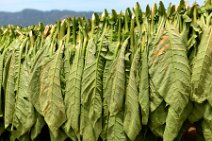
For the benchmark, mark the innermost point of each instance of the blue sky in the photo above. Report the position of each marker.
(78, 5)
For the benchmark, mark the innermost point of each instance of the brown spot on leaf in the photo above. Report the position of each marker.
(159, 52)
(163, 45)
(165, 37)
(161, 48)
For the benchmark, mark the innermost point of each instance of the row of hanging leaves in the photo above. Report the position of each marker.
(117, 77)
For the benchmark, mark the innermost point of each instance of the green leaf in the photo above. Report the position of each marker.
(24, 137)
(157, 120)
(202, 69)
(73, 67)
(132, 116)
(207, 130)
(170, 73)
(154, 97)
(61, 136)
(23, 117)
(107, 80)
(1, 81)
(207, 123)
(115, 130)
(38, 126)
(92, 88)
(179, 117)
(34, 90)
(197, 112)
(9, 79)
(144, 88)
(47, 94)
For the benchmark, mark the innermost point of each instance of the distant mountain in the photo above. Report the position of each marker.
(30, 16)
